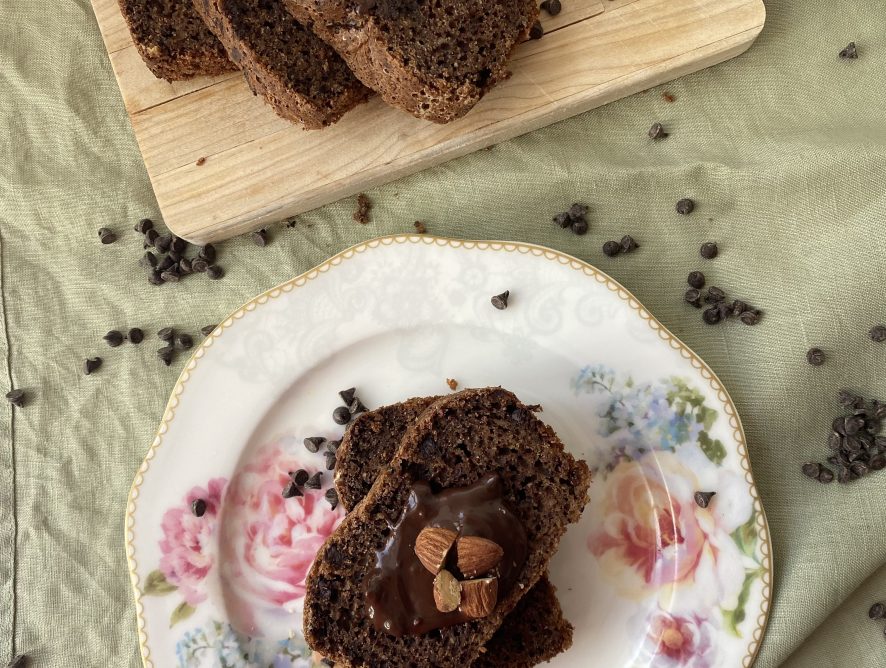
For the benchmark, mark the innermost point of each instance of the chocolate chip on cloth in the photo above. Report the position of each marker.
(472, 437)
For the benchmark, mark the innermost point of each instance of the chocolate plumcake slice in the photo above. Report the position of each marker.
(456, 529)
(173, 40)
(432, 58)
(535, 631)
(301, 77)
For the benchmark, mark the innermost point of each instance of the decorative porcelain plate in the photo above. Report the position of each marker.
(647, 577)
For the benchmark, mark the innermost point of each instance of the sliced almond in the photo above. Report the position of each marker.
(447, 591)
(477, 556)
(478, 597)
(432, 547)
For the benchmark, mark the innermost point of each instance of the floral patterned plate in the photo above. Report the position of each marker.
(648, 578)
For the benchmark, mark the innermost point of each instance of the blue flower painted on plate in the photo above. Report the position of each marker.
(219, 645)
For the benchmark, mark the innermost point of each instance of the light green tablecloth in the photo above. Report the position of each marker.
(784, 149)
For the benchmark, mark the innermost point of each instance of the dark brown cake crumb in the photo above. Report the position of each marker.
(420, 227)
(452, 383)
(361, 215)
(667, 97)
(201, 161)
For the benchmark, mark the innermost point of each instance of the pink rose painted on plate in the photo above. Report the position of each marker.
(187, 543)
(684, 641)
(269, 542)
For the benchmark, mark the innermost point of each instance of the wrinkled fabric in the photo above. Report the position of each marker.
(783, 148)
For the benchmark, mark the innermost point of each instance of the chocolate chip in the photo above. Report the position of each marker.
(712, 315)
(198, 507)
(184, 341)
(114, 338)
(299, 477)
(106, 236)
(703, 499)
(332, 446)
(16, 398)
(877, 611)
(628, 244)
(826, 476)
(214, 272)
(341, 415)
(149, 260)
(715, 295)
(611, 248)
(751, 317)
(165, 263)
(579, 227)
(348, 395)
(578, 211)
(154, 278)
(696, 280)
(18, 661)
(166, 334)
(171, 275)
(165, 354)
(136, 335)
(811, 469)
(163, 242)
(501, 301)
(199, 265)
(536, 31)
(657, 131)
(562, 219)
(151, 237)
(330, 460)
(314, 481)
(878, 333)
(332, 496)
(685, 206)
(174, 257)
(552, 7)
(877, 462)
(144, 225)
(291, 490)
(178, 245)
(313, 443)
(207, 253)
(207, 330)
(739, 307)
(356, 407)
(184, 266)
(92, 364)
(693, 297)
(849, 52)
(815, 356)
(260, 237)
(709, 250)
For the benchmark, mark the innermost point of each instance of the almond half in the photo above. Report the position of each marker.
(477, 556)
(478, 597)
(432, 547)
(447, 591)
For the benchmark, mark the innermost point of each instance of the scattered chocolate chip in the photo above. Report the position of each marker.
(877, 462)
(184, 341)
(552, 7)
(106, 236)
(207, 253)
(16, 398)
(178, 245)
(878, 333)
(341, 415)
(199, 265)
(685, 206)
(300, 477)
(712, 315)
(332, 446)
(174, 257)
(92, 364)
(171, 275)
(330, 460)
(144, 225)
(149, 260)
(348, 395)
(628, 244)
(452, 383)
(815, 356)
(739, 307)
(136, 335)
(313, 443)
(751, 317)
(151, 237)
(361, 215)
(611, 248)
(207, 330)
(562, 219)
(811, 469)
(657, 131)
(849, 52)
(696, 280)
(703, 499)
(291, 490)
(715, 295)
(420, 227)
(201, 161)
(693, 297)
(184, 266)
(166, 334)
(198, 507)
(536, 31)
(260, 237)
(18, 661)
(162, 242)
(165, 263)
(877, 611)
(332, 496)
(667, 97)
(826, 476)
(357, 407)
(501, 301)
(214, 272)
(579, 227)
(314, 481)
(709, 250)
(154, 278)
(165, 354)
(114, 338)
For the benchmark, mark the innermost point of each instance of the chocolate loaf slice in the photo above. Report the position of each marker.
(172, 39)
(535, 631)
(432, 58)
(473, 442)
(300, 76)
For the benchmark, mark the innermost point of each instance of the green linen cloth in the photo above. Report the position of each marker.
(783, 148)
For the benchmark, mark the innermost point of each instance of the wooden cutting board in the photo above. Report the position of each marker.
(260, 169)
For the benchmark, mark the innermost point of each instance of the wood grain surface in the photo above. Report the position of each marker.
(260, 169)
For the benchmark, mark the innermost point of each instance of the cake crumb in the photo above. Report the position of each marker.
(201, 161)
(420, 227)
(667, 97)
(453, 383)
(361, 215)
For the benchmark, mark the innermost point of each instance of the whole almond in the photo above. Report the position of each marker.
(432, 547)
(477, 556)
(447, 591)
(478, 597)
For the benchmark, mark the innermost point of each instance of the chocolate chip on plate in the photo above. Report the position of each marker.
(341, 415)
(348, 395)
(501, 301)
(198, 507)
(314, 443)
(314, 481)
(332, 497)
(703, 499)
(291, 490)
(300, 477)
